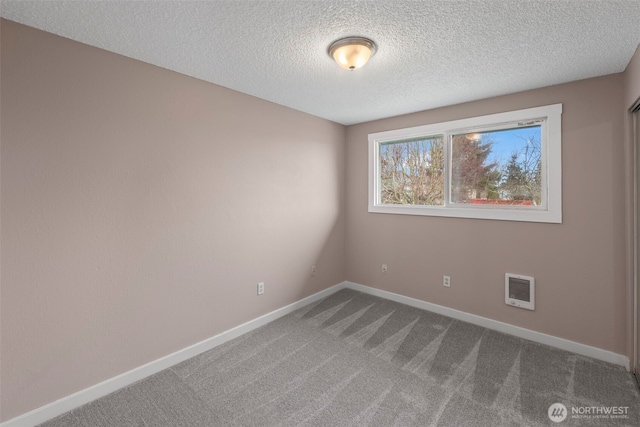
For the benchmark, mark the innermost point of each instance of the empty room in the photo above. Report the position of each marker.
(319, 213)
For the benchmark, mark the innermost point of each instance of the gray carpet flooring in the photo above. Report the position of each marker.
(353, 359)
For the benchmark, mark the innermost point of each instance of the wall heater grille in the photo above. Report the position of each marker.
(519, 291)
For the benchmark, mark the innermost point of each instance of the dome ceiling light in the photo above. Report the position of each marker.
(352, 52)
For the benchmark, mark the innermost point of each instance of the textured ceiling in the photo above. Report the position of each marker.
(430, 53)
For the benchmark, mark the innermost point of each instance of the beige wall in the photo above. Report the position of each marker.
(141, 207)
(631, 95)
(632, 80)
(579, 265)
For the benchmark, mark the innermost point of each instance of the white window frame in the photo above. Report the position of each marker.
(550, 209)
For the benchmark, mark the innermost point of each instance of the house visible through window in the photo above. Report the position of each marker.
(504, 166)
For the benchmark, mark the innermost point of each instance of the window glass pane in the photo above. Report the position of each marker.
(502, 167)
(412, 171)
(505, 166)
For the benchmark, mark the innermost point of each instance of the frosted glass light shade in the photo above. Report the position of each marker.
(352, 52)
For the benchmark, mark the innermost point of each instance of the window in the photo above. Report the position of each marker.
(502, 166)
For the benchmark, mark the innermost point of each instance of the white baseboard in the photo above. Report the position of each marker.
(539, 337)
(59, 407)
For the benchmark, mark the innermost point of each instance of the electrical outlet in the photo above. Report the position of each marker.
(313, 270)
(446, 281)
(384, 268)
(260, 288)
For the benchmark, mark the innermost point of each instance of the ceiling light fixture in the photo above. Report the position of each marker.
(352, 52)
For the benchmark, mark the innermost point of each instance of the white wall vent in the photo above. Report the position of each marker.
(519, 291)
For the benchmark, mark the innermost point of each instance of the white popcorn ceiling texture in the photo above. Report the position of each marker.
(430, 53)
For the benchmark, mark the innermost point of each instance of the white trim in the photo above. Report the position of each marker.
(75, 400)
(551, 211)
(59, 407)
(539, 337)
